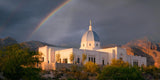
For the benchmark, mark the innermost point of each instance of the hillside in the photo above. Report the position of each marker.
(33, 45)
(7, 41)
(146, 48)
(141, 47)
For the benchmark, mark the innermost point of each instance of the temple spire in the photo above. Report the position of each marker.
(90, 26)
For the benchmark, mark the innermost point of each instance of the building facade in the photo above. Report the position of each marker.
(90, 46)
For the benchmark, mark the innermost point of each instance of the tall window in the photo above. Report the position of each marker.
(89, 44)
(121, 58)
(92, 59)
(78, 60)
(103, 62)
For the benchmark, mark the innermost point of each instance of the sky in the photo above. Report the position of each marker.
(115, 21)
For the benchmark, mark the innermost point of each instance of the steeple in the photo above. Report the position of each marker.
(90, 26)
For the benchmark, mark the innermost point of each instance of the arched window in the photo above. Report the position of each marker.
(89, 44)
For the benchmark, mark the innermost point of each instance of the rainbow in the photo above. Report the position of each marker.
(48, 16)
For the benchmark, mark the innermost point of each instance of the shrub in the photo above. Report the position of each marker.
(91, 67)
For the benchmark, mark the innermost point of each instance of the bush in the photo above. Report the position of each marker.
(152, 70)
(120, 70)
(91, 67)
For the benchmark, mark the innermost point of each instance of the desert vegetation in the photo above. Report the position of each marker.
(117, 70)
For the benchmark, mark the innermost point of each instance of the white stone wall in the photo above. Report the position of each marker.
(112, 53)
(49, 54)
(121, 53)
(99, 56)
(64, 54)
(117, 53)
(141, 60)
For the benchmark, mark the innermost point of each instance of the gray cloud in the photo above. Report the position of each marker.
(115, 21)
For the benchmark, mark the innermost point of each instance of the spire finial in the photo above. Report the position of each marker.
(90, 22)
(90, 26)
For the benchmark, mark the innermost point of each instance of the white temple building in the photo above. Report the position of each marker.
(90, 46)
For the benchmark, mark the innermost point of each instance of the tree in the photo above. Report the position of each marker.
(17, 62)
(119, 63)
(58, 57)
(72, 57)
(83, 58)
(120, 70)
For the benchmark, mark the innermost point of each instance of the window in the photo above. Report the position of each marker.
(121, 58)
(65, 61)
(89, 44)
(92, 59)
(78, 60)
(96, 44)
(102, 62)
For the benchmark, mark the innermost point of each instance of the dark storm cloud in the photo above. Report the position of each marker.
(115, 21)
(119, 21)
(18, 18)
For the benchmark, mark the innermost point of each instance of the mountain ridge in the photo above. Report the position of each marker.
(145, 48)
(140, 47)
